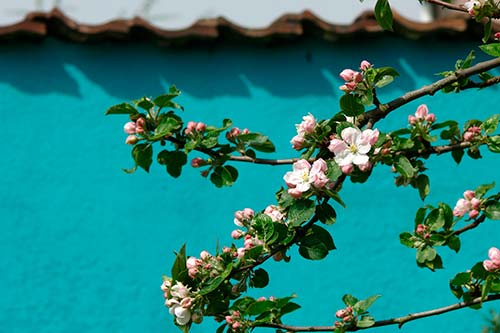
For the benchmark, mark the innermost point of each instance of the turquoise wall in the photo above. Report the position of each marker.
(83, 245)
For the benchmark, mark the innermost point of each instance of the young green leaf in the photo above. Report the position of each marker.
(383, 14)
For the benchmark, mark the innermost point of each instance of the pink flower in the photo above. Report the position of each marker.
(347, 74)
(244, 215)
(297, 142)
(471, 133)
(412, 120)
(473, 214)
(307, 125)
(193, 262)
(469, 203)
(365, 65)
(461, 207)
(129, 127)
(497, 35)
(234, 132)
(420, 229)
(422, 111)
(494, 263)
(354, 146)
(200, 127)
(347, 169)
(430, 118)
(303, 176)
(365, 167)
(274, 213)
(469, 195)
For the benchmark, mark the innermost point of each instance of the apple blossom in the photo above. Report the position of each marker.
(193, 127)
(274, 213)
(307, 125)
(494, 263)
(354, 146)
(472, 5)
(471, 133)
(197, 162)
(237, 234)
(422, 114)
(297, 142)
(365, 65)
(182, 315)
(140, 125)
(497, 35)
(130, 127)
(244, 215)
(179, 290)
(469, 203)
(304, 176)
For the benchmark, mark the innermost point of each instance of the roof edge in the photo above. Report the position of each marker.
(289, 27)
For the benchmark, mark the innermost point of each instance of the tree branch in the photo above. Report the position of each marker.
(473, 225)
(378, 113)
(447, 5)
(400, 321)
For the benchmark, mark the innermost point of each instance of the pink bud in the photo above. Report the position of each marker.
(412, 120)
(344, 88)
(351, 85)
(422, 111)
(475, 203)
(365, 65)
(469, 136)
(430, 118)
(248, 213)
(235, 131)
(420, 228)
(365, 167)
(297, 142)
(192, 272)
(131, 140)
(226, 249)
(497, 35)
(245, 131)
(237, 234)
(490, 266)
(236, 325)
(358, 77)
(261, 299)
(341, 313)
(191, 126)
(204, 255)
(473, 214)
(200, 127)
(347, 319)
(229, 319)
(347, 74)
(129, 127)
(347, 169)
(197, 162)
(469, 195)
(141, 124)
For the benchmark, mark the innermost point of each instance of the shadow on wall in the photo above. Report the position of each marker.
(127, 71)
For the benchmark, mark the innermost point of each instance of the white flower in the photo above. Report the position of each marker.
(182, 315)
(307, 125)
(179, 290)
(354, 146)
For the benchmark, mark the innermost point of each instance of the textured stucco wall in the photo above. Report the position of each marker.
(83, 245)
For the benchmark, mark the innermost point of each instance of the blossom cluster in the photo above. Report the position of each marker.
(472, 133)
(307, 126)
(345, 316)
(353, 148)
(234, 320)
(493, 264)
(179, 299)
(304, 177)
(422, 115)
(132, 128)
(235, 131)
(352, 78)
(469, 203)
(205, 266)
(194, 127)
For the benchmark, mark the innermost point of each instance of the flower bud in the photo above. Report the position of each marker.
(204, 255)
(200, 127)
(197, 162)
(347, 74)
(236, 325)
(475, 203)
(469, 195)
(365, 167)
(412, 120)
(130, 127)
(469, 136)
(420, 228)
(141, 124)
(347, 169)
(237, 234)
(422, 111)
(131, 140)
(365, 65)
(430, 118)
(294, 193)
(473, 213)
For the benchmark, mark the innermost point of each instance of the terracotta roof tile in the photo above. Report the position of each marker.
(38, 25)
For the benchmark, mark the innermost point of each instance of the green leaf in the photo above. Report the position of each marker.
(492, 49)
(316, 243)
(493, 211)
(457, 155)
(423, 186)
(224, 176)
(349, 300)
(365, 322)
(289, 307)
(363, 305)
(179, 270)
(260, 278)
(216, 282)
(143, 155)
(144, 103)
(435, 220)
(259, 307)
(350, 105)
(300, 212)
(490, 125)
(461, 279)
(175, 160)
(481, 190)
(453, 243)
(123, 108)
(487, 31)
(383, 14)
(326, 213)
(406, 239)
(420, 215)
(404, 166)
(426, 254)
(494, 144)
(258, 142)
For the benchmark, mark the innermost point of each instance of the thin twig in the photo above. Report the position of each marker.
(383, 110)
(400, 321)
(447, 5)
(473, 225)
